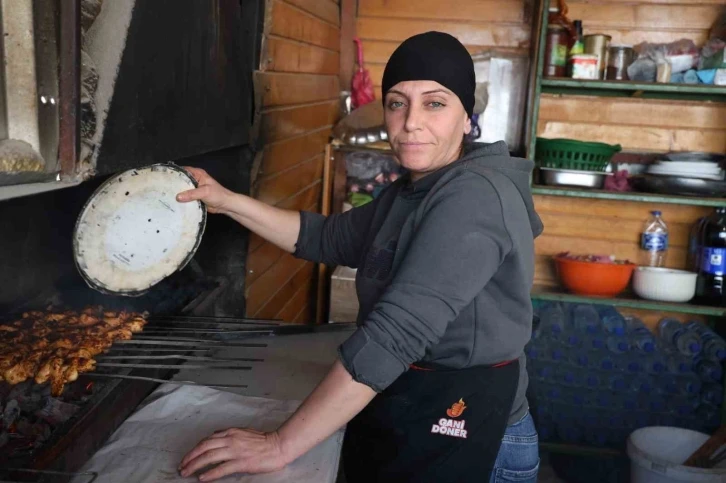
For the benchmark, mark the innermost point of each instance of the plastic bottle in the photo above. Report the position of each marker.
(604, 362)
(708, 370)
(675, 335)
(682, 406)
(640, 336)
(679, 364)
(617, 344)
(580, 358)
(714, 347)
(694, 245)
(654, 241)
(712, 394)
(612, 321)
(595, 342)
(655, 363)
(632, 364)
(552, 320)
(712, 267)
(544, 373)
(617, 382)
(641, 384)
(585, 319)
(570, 377)
(688, 385)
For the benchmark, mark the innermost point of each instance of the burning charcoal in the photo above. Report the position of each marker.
(10, 413)
(56, 411)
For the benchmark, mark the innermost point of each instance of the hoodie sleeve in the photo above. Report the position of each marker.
(336, 239)
(458, 246)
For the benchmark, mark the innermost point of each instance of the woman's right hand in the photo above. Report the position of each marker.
(215, 196)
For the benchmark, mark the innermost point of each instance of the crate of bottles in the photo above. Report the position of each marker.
(596, 375)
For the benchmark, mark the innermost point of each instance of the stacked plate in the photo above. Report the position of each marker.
(687, 169)
(686, 173)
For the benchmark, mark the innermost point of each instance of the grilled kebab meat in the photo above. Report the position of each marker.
(56, 347)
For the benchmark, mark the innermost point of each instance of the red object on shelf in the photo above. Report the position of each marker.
(361, 86)
(594, 278)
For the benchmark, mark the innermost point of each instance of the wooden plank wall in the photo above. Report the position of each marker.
(609, 227)
(299, 85)
(481, 25)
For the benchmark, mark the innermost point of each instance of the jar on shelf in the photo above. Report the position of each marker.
(619, 59)
(555, 61)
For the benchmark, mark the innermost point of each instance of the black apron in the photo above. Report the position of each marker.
(432, 426)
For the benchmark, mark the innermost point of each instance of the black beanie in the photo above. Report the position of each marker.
(433, 56)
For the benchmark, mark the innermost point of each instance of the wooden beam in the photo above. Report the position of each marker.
(347, 47)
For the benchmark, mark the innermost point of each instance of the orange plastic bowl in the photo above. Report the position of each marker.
(593, 278)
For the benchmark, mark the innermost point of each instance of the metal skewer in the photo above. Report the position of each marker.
(174, 338)
(223, 320)
(179, 357)
(169, 366)
(152, 349)
(186, 343)
(164, 381)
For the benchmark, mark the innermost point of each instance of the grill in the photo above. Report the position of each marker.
(45, 438)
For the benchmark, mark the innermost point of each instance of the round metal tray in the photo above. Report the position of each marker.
(680, 186)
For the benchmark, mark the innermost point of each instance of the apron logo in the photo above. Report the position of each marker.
(456, 409)
(449, 427)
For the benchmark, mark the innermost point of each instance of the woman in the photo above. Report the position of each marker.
(434, 373)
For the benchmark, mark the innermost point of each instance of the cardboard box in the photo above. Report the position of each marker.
(343, 298)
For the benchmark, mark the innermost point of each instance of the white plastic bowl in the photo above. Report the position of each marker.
(664, 284)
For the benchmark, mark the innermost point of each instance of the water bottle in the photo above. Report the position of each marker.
(675, 335)
(712, 394)
(694, 245)
(679, 364)
(714, 347)
(632, 364)
(605, 400)
(657, 404)
(641, 384)
(592, 381)
(612, 321)
(640, 336)
(708, 370)
(688, 384)
(552, 320)
(617, 344)
(654, 241)
(617, 382)
(580, 358)
(585, 319)
(709, 417)
(604, 362)
(572, 341)
(570, 377)
(569, 432)
(594, 342)
(682, 407)
(655, 363)
(544, 373)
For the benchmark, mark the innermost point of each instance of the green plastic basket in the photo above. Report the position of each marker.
(572, 154)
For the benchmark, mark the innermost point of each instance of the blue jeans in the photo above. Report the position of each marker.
(518, 458)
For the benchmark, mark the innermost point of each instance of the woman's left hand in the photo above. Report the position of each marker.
(238, 451)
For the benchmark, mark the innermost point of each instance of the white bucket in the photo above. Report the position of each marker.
(656, 454)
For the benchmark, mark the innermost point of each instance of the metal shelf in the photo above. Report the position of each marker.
(549, 293)
(645, 90)
(627, 196)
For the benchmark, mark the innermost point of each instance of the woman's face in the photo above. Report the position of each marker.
(426, 123)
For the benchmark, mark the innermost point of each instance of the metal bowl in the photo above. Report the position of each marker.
(568, 177)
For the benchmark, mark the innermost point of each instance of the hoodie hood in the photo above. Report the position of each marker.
(495, 156)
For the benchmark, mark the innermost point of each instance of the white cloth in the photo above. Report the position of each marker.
(149, 445)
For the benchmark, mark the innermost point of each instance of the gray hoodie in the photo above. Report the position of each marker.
(445, 268)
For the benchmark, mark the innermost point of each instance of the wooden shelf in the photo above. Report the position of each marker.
(652, 90)
(555, 294)
(627, 196)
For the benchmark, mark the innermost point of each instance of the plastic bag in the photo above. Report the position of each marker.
(369, 172)
(682, 55)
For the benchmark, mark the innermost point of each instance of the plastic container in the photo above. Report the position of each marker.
(572, 154)
(714, 347)
(656, 454)
(612, 321)
(593, 278)
(664, 284)
(708, 370)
